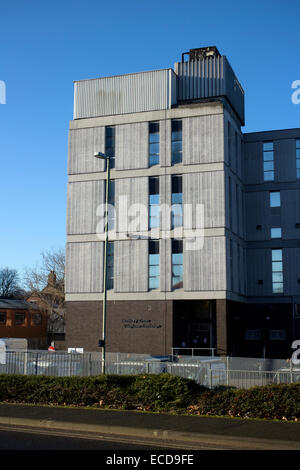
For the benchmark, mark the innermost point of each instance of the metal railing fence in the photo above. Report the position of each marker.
(207, 371)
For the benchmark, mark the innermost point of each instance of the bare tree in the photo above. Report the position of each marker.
(9, 283)
(46, 283)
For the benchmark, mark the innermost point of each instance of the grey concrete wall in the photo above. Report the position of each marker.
(205, 270)
(83, 199)
(203, 139)
(84, 267)
(131, 148)
(83, 143)
(131, 266)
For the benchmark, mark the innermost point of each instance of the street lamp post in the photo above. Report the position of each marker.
(102, 342)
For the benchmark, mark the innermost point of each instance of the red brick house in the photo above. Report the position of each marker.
(21, 319)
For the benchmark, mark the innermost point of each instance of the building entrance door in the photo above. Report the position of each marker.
(200, 337)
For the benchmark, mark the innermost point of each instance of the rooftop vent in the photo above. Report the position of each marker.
(201, 53)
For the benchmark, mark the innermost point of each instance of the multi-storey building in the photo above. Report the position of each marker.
(203, 245)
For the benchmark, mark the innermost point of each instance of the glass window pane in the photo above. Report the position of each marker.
(153, 138)
(153, 222)
(153, 185)
(276, 255)
(154, 199)
(154, 210)
(153, 282)
(277, 277)
(277, 288)
(277, 266)
(269, 176)
(176, 157)
(298, 144)
(177, 270)
(177, 258)
(275, 232)
(153, 160)
(153, 247)
(177, 282)
(154, 148)
(177, 198)
(298, 173)
(275, 199)
(298, 152)
(268, 145)
(176, 126)
(153, 260)
(153, 127)
(153, 270)
(268, 156)
(176, 146)
(268, 166)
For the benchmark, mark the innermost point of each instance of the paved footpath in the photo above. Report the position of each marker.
(187, 431)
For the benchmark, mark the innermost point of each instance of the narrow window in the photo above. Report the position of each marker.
(111, 203)
(237, 201)
(154, 264)
(277, 272)
(230, 203)
(153, 143)
(110, 266)
(110, 145)
(275, 199)
(154, 203)
(177, 264)
(2, 318)
(229, 142)
(268, 156)
(231, 263)
(298, 158)
(19, 318)
(177, 211)
(176, 142)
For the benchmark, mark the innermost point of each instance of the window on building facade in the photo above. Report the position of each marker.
(153, 143)
(110, 265)
(276, 232)
(253, 334)
(36, 319)
(275, 199)
(277, 271)
(277, 335)
(268, 156)
(177, 264)
(19, 318)
(110, 144)
(229, 142)
(154, 203)
(111, 202)
(176, 142)
(298, 158)
(2, 318)
(154, 264)
(177, 212)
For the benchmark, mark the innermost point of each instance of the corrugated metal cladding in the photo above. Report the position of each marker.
(209, 78)
(123, 94)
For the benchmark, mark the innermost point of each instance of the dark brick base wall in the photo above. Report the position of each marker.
(141, 327)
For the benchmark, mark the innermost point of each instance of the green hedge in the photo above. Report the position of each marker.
(162, 392)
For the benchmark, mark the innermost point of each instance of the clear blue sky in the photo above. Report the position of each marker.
(45, 46)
